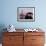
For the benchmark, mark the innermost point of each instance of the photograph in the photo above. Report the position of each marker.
(26, 14)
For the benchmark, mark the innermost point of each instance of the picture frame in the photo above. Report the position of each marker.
(26, 14)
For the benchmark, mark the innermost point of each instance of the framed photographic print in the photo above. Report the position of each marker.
(26, 14)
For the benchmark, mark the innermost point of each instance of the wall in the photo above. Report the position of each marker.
(9, 13)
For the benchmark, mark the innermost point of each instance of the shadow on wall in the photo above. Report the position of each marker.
(2, 26)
